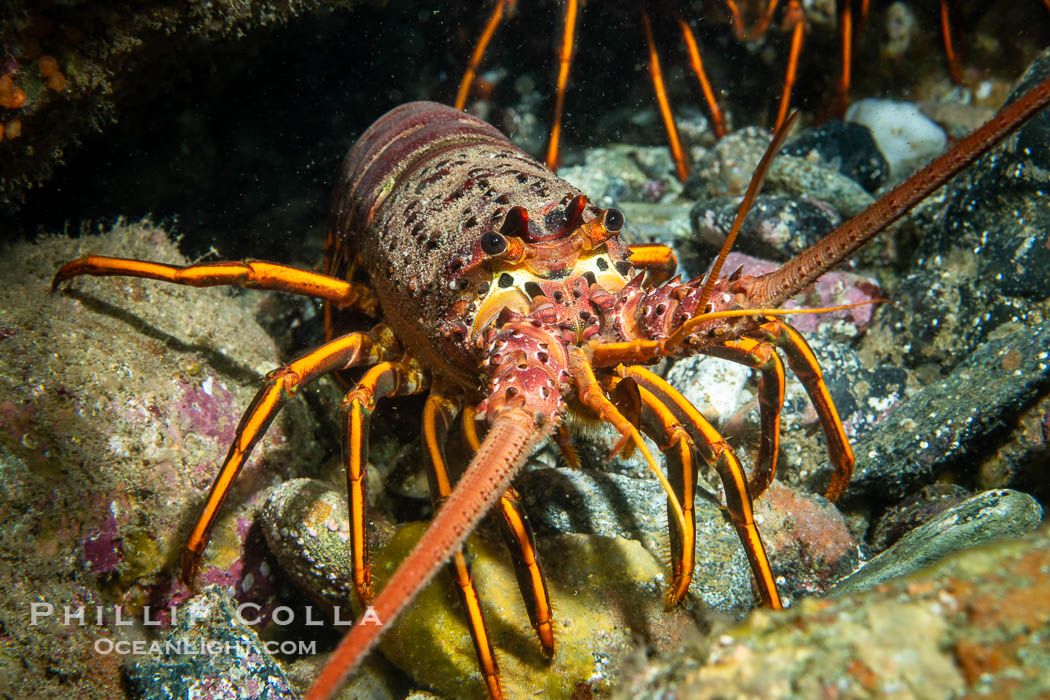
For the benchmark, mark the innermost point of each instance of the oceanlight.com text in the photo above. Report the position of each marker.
(139, 647)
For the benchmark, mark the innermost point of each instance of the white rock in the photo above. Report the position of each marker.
(907, 138)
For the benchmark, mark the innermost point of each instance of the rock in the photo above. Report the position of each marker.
(727, 168)
(907, 138)
(913, 511)
(952, 420)
(807, 542)
(306, 527)
(973, 623)
(119, 400)
(659, 223)
(776, 227)
(622, 172)
(985, 262)
(848, 147)
(605, 592)
(241, 670)
(987, 516)
(611, 505)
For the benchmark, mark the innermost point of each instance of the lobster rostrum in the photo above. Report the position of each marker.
(511, 300)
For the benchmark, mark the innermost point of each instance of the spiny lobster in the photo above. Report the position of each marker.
(511, 299)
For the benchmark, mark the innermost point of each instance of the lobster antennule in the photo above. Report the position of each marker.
(509, 442)
(802, 270)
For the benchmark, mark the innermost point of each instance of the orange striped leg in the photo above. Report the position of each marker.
(680, 161)
(658, 260)
(399, 378)
(761, 25)
(949, 51)
(250, 274)
(590, 394)
(479, 52)
(846, 27)
(796, 19)
(761, 356)
(806, 367)
(662, 426)
(674, 410)
(717, 120)
(522, 546)
(438, 414)
(281, 384)
(564, 63)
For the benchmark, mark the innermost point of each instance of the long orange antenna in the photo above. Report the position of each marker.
(564, 62)
(745, 206)
(680, 162)
(717, 120)
(479, 51)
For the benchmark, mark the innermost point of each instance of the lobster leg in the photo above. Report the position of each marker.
(251, 274)
(590, 393)
(564, 63)
(672, 409)
(954, 67)
(761, 356)
(522, 546)
(846, 30)
(527, 570)
(717, 120)
(438, 414)
(806, 367)
(479, 52)
(281, 384)
(796, 19)
(663, 427)
(399, 378)
(680, 161)
(742, 32)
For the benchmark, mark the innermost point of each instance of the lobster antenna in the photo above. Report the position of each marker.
(753, 188)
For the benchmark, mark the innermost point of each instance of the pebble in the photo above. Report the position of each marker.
(907, 138)
(991, 515)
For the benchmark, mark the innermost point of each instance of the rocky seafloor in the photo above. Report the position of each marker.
(927, 579)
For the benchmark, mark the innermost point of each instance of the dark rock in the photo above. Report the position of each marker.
(951, 421)
(987, 516)
(776, 227)
(845, 146)
(913, 511)
(589, 502)
(987, 262)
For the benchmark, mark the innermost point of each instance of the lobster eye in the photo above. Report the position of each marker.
(493, 243)
(613, 220)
